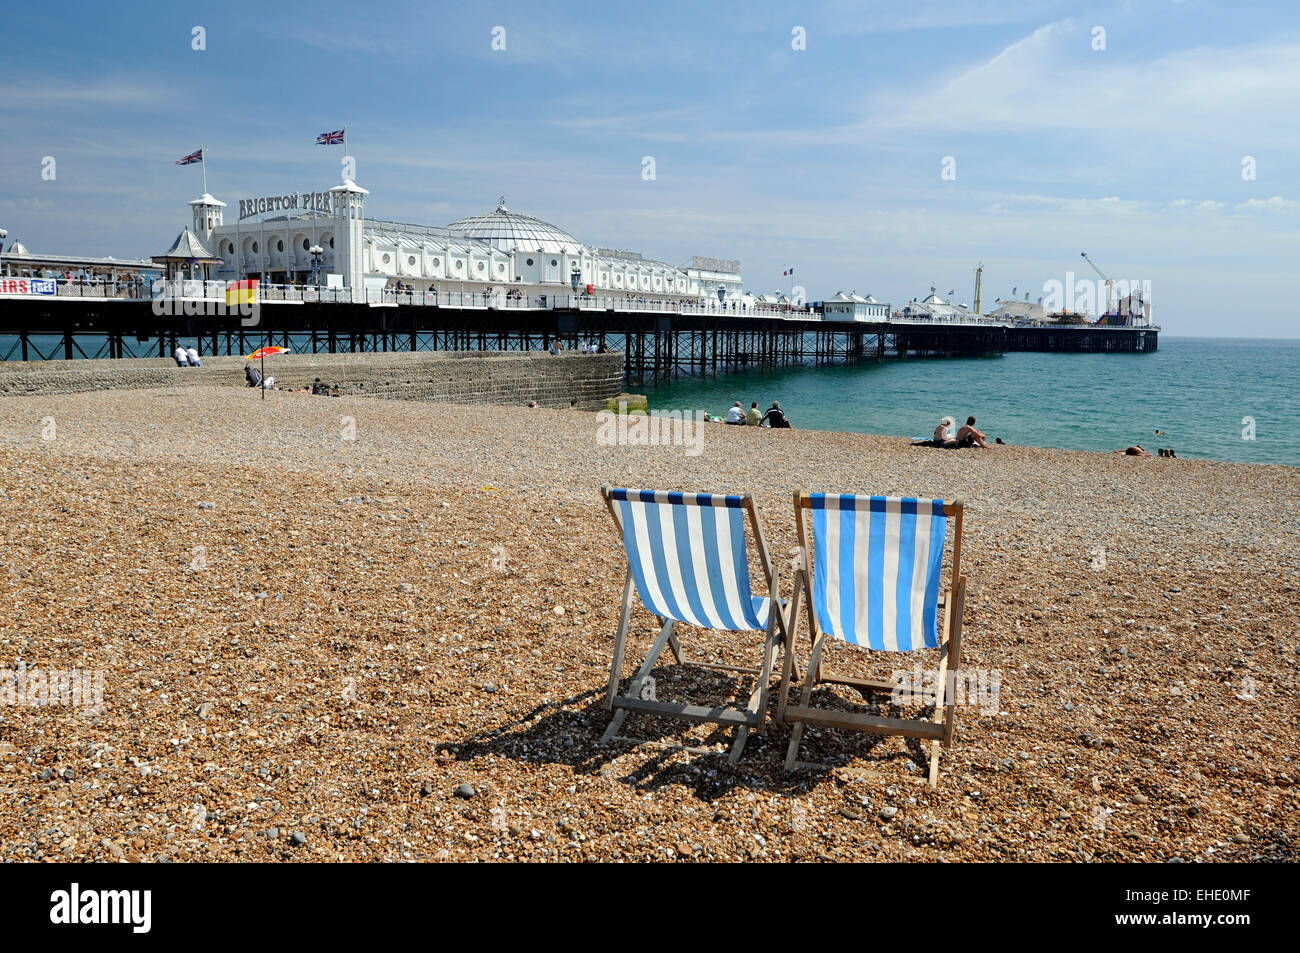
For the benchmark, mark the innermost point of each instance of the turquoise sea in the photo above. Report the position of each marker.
(1198, 390)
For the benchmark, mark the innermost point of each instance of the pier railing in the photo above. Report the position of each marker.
(513, 300)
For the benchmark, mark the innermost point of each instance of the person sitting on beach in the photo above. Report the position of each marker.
(193, 357)
(943, 435)
(182, 359)
(776, 418)
(319, 388)
(1134, 451)
(255, 379)
(968, 436)
(754, 418)
(736, 415)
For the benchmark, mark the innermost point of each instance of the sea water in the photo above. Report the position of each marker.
(1217, 398)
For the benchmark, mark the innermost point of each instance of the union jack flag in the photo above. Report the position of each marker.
(190, 159)
(330, 138)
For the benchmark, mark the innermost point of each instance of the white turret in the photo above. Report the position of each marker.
(348, 200)
(207, 216)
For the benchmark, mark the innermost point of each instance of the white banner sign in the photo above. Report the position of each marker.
(27, 286)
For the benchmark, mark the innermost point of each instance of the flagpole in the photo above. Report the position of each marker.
(203, 161)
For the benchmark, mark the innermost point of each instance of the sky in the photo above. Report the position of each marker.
(882, 147)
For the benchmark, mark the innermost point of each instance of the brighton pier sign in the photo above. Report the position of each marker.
(293, 202)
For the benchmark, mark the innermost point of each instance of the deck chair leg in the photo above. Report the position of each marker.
(620, 641)
(772, 645)
(655, 651)
(814, 661)
(614, 726)
(738, 747)
(935, 748)
(789, 667)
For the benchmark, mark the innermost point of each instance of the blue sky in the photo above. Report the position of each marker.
(827, 159)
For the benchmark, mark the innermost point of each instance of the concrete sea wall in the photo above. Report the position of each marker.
(584, 381)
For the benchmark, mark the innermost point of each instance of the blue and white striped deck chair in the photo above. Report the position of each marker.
(687, 563)
(874, 582)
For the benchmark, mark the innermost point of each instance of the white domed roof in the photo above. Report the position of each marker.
(510, 232)
(18, 248)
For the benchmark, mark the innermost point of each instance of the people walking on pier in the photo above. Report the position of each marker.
(736, 415)
(968, 436)
(776, 418)
(755, 416)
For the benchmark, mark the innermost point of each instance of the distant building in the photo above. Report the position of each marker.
(712, 274)
(501, 250)
(18, 262)
(935, 308)
(1018, 311)
(854, 307)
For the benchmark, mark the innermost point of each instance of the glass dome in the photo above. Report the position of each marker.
(511, 232)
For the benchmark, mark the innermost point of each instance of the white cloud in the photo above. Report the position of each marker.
(1274, 204)
(1049, 82)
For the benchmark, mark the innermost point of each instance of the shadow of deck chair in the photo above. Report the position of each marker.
(874, 582)
(687, 563)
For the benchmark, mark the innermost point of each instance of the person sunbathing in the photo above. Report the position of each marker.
(1134, 451)
(968, 436)
(943, 435)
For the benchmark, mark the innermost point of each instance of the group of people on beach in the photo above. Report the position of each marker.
(253, 378)
(584, 347)
(187, 357)
(965, 436)
(775, 417)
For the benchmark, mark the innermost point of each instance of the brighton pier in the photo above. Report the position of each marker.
(330, 280)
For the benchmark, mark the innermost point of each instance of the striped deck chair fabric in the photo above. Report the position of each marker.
(687, 562)
(876, 566)
(873, 581)
(687, 555)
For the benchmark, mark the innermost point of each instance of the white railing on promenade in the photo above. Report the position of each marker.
(950, 320)
(144, 290)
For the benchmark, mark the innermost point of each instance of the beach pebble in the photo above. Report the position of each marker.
(339, 702)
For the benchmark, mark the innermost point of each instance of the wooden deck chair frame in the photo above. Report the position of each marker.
(751, 717)
(940, 730)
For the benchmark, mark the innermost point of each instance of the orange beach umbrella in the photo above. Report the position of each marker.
(263, 352)
(260, 355)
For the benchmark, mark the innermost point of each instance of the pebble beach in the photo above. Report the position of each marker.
(355, 629)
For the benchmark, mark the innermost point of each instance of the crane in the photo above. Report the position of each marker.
(1109, 283)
